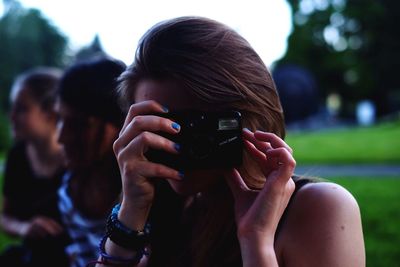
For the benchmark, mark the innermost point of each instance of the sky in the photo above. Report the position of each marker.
(266, 24)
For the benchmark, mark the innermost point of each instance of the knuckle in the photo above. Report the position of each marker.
(153, 104)
(145, 137)
(119, 157)
(132, 109)
(116, 147)
(158, 171)
(292, 163)
(137, 121)
(128, 170)
(283, 151)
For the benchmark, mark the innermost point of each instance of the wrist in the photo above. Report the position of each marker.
(124, 236)
(259, 239)
(257, 253)
(133, 214)
(22, 228)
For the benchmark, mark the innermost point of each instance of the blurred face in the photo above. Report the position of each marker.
(175, 98)
(83, 137)
(29, 121)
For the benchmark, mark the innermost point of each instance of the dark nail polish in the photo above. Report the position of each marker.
(176, 126)
(177, 147)
(165, 109)
(181, 174)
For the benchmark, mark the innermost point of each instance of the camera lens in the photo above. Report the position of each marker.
(202, 146)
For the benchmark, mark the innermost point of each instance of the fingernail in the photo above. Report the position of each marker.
(165, 109)
(246, 129)
(176, 126)
(177, 147)
(181, 174)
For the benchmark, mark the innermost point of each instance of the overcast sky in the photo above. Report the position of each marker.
(266, 24)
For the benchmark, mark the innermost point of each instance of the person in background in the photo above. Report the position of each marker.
(255, 214)
(90, 120)
(33, 172)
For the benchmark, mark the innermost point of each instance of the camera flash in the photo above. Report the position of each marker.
(228, 124)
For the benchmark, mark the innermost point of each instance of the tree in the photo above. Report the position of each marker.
(95, 49)
(27, 40)
(352, 47)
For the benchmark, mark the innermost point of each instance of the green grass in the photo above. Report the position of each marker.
(379, 201)
(375, 144)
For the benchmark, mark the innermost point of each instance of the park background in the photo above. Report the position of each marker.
(339, 84)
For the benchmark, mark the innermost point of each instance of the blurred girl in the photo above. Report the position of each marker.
(33, 173)
(90, 120)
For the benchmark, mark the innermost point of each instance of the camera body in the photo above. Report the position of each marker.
(208, 140)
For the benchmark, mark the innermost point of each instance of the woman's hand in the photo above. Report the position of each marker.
(258, 212)
(136, 137)
(40, 227)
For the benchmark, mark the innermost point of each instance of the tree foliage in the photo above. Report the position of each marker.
(28, 39)
(352, 47)
(93, 50)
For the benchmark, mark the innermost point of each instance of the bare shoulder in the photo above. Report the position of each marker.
(323, 228)
(317, 197)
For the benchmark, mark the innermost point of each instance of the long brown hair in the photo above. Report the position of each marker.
(218, 67)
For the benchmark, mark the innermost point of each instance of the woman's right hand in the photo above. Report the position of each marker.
(40, 227)
(137, 136)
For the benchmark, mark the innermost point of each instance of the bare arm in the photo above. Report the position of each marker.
(37, 227)
(324, 228)
(136, 137)
(258, 212)
(9, 224)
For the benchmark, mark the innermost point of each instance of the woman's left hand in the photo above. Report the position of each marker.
(258, 212)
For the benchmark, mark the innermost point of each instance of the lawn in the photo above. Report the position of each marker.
(379, 201)
(375, 144)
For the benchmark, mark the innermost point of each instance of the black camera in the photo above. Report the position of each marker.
(207, 140)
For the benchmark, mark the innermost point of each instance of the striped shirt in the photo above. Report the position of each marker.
(85, 233)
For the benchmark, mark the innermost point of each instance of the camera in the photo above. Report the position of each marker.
(207, 140)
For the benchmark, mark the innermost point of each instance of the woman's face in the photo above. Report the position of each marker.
(29, 121)
(83, 137)
(174, 97)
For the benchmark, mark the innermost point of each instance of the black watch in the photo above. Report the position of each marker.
(123, 236)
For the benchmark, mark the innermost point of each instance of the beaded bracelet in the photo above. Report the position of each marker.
(115, 261)
(124, 236)
(93, 263)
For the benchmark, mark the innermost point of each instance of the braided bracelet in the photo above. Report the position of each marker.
(124, 236)
(115, 261)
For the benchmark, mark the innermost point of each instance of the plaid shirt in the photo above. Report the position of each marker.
(85, 233)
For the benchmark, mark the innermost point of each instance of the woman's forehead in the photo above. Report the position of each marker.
(167, 94)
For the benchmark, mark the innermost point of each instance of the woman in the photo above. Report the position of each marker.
(258, 214)
(33, 173)
(90, 120)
